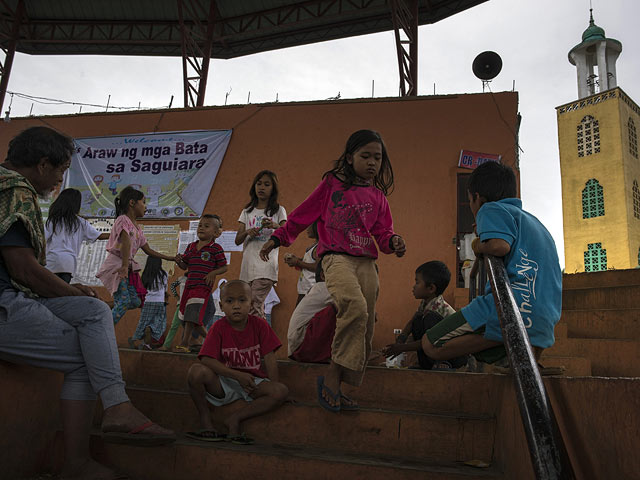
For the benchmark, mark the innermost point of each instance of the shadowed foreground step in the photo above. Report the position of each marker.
(374, 431)
(190, 460)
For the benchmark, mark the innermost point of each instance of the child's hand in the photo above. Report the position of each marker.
(268, 223)
(392, 350)
(476, 246)
(398, 245)
(291, 260)
(266, 249)
(210, 279)
(246, 381)
(178, 258)
(253, 232)
(123, 272)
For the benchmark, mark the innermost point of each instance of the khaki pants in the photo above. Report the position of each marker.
(353, 285)
(260, 288)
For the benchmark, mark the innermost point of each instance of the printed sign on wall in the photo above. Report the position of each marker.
(471, 160)
(174, 170)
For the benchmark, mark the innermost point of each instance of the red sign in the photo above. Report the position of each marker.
(469, 159)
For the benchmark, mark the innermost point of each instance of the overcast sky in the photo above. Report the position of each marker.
(532, 37)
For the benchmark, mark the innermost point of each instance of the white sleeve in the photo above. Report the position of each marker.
(89, 232)
(243, 217)
(282, 214)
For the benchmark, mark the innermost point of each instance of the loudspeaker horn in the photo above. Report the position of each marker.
(487, 65)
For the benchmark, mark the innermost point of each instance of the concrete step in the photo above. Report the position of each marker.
(573, 366)
(369, 431)
(610, 278)
(414, 390)
(617, 297)
(609, 357)
(561, 330)
(615, 323)
(191, 460)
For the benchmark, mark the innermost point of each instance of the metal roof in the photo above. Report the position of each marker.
(241, 27)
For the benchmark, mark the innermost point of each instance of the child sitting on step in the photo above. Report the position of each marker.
(230, 367)
(431, 280)
(313, 324)
(531, 260)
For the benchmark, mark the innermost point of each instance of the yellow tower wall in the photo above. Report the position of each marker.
(628, 109)
(608, 167)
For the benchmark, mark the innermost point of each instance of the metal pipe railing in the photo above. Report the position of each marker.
(546, 448)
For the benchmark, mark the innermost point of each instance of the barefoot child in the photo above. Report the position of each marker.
(351, 208)
(153, 319)
(119, 270)
(432, 279)
(205, 260)
(257, 221)
(230, 367)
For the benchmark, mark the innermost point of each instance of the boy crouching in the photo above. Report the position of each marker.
(230, 367)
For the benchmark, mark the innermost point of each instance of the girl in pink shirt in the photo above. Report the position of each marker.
(119, 271)
(352, 211)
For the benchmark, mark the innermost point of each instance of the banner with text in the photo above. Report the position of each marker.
(174, 170)
(471, 160)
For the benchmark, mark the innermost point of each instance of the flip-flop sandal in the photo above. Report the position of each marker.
(334, 396)
(350, 405)
(181, 349)
(207, 436)
(195, 348)
(241, 439)
(137, 437)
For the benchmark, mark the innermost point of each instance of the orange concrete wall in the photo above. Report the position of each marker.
(299, 141)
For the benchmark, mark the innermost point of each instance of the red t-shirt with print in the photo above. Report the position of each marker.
(241, 350)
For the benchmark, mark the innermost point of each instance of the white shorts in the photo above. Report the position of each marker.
(232, 391)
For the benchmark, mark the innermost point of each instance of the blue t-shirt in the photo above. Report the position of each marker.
(17, 236)
(533, 269)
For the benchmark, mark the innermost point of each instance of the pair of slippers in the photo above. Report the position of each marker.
(345, 404)
(206, 435)
(138, 437)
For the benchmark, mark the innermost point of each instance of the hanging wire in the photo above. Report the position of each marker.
(55, 101)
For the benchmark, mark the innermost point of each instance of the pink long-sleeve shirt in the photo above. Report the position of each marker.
(348, 220)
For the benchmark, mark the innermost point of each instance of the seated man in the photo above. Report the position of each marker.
(530, 257)
(313, 324)
(45, 322)
(431, 280)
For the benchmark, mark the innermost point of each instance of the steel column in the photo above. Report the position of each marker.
(9, 52)
(404, 14)
(197, 43)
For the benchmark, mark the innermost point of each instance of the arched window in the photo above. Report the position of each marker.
(633, 138)
(636, 199)
(588, 136)
(592, 199)
(595, 258)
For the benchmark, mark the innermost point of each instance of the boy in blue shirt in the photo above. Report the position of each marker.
(530, 257)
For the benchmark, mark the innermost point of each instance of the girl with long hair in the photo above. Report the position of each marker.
(352, 211)
(64, 233)
(259, 218)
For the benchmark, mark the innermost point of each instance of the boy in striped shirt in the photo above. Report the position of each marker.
(204, 259)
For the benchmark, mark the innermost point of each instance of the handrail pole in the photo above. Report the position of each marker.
(537, 417)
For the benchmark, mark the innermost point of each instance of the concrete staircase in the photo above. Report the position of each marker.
(413, 424)
(600, 322)
(407, 426)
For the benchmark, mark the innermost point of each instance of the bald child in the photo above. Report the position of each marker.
(231, 367)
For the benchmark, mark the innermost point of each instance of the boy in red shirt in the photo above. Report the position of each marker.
(205, 260)
(230, 367)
